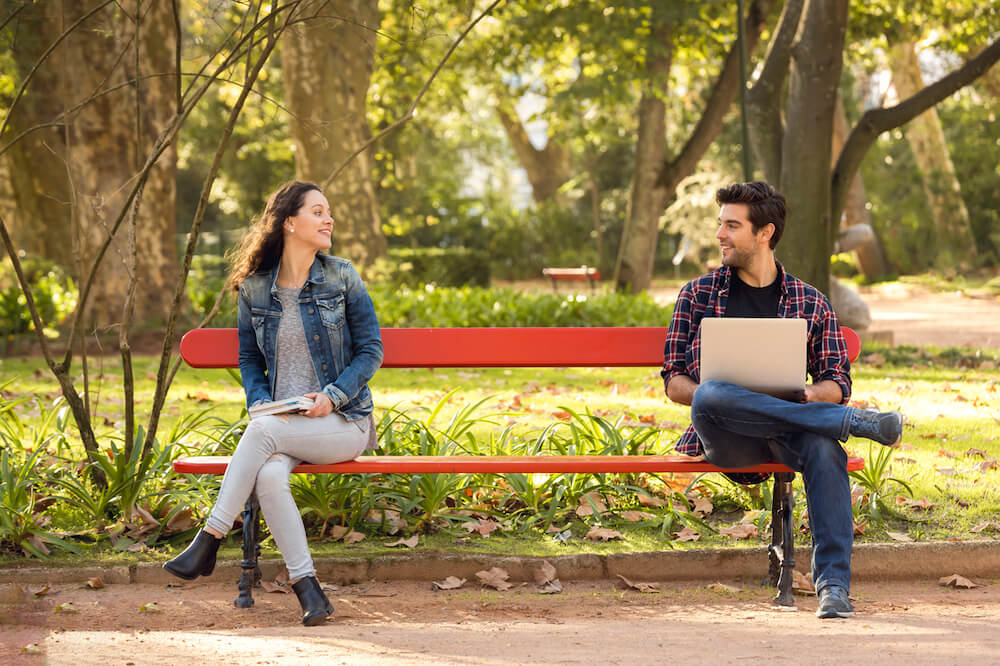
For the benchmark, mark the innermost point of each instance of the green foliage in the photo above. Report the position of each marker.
(205, 281)
(466, 307)
(53, 290)
(444, 267)
(876, 486)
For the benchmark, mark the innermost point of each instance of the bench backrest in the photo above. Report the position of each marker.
(484, 347)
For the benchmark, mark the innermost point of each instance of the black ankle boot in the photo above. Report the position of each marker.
(315, 606)
(198, 559)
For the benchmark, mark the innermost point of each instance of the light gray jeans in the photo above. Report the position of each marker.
(269, 450)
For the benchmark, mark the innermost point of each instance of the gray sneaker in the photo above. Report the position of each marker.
(833, 602)
(882, 427)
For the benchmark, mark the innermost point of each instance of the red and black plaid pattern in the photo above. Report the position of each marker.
(708, 295)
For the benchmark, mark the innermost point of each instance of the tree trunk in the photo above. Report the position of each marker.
(548, 169)
(638, 249)
(817, 57)
(871, 256)
(954, 243)
(327, 65)
(76, 176)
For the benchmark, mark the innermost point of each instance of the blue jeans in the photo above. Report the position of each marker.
(741, 428)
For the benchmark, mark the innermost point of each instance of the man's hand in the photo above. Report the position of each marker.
(681, 389)
(322, 405)
(825, 391)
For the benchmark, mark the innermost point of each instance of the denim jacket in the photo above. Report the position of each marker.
(341, 331)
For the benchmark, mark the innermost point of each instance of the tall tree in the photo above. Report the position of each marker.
(792, 132)
(327, 66)
(952, 233)
(68, 176)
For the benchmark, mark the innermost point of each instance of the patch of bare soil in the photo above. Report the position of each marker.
(588, 623)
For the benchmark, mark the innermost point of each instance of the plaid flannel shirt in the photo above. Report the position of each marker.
(708, 296)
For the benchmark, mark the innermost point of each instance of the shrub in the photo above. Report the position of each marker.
(54, 292)
(463, 307)
(446, 267)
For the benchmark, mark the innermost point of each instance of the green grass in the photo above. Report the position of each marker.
(950, 399)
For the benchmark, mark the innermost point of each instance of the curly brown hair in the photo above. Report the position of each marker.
(261, 248)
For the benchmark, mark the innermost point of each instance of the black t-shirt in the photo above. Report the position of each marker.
(747, 301)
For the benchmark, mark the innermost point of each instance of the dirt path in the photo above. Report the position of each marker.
(589, 623)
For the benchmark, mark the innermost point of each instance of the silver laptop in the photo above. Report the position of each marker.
(763, 355)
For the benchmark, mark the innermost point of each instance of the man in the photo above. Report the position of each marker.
(734, 427)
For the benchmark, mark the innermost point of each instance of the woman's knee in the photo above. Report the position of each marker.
(272, 478)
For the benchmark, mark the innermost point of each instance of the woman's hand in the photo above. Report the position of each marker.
(321, 407)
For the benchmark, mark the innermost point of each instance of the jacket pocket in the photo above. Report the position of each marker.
(331, 311)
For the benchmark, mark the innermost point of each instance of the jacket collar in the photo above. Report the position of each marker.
(316, 274)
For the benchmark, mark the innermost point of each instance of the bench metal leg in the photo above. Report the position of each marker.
(782, 548)
(250, 575)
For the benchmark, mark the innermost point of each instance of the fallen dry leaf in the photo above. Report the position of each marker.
(702, 505)
(590, 504)
(651, 501)
(921, 503)
(802, 583)
(151, 607)
(741, 531)
(552, 587)
(338, 532)
(947, 471)
(449, 583)
(899, 536)
(988, 465)
(726, 589)
(637, 516)
(32, 648)
(484, 527)
(975, 452)
(686, 534)
(353, 537)
(409, 543)
(67, 607)
(957, 581)
(545, 573)
(944, 452)
(859, 528)
(274, 586)
(95, 583)
(641, 587)
(603, 534)
(986, 525)
(495, 578)
(40, 592)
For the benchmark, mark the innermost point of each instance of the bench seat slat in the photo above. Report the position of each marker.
(598, 346)
(495, 464)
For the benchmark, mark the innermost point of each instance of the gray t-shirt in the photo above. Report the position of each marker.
(294, 373)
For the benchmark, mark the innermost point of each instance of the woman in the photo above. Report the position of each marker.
(306, 327)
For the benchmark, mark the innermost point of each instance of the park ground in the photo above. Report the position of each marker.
(403, 622)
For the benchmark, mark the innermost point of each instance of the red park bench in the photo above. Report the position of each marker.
(504, 347)
(588, 273)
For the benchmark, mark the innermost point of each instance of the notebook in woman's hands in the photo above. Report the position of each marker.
(296, 404)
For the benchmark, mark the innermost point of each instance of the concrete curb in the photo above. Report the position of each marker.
(977, 559)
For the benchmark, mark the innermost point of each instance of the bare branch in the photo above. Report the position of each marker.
(416, 101)
(162, 385)
(43, 57)
(764, 97)
(876, 121)
(716, 107)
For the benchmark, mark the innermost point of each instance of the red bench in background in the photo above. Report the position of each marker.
(556, 275)
(504, 347)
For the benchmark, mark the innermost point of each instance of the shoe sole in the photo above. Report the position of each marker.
(178, 573)
(835, 615)
(316, 620)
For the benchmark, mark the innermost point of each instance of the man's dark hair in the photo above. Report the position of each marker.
(766, 205)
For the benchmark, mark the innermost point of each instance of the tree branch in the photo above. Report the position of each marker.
(413, 107)
(764, 97)
(716, 107)
(876, 121)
